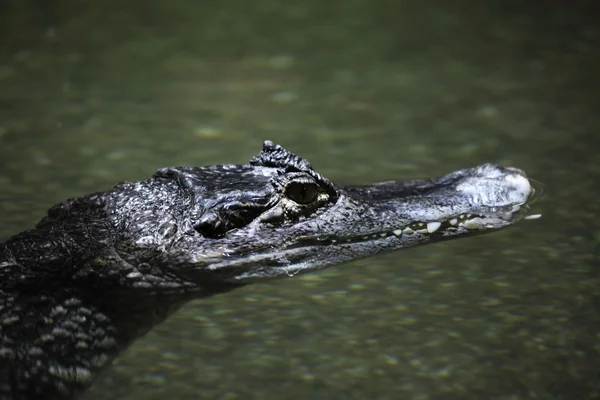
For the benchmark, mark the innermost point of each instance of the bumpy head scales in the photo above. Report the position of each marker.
(275, 156)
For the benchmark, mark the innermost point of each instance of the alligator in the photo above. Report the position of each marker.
(99, 271)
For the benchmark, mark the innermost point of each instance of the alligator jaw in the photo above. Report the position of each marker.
(372, 219)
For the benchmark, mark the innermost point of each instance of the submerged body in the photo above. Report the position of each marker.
(101, 270)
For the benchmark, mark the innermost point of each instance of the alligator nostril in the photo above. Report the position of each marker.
(515, 171)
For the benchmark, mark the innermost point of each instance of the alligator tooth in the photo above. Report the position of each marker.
(433, 226)
(471, 224)
(453, 221)
(134, 274)
(423, 231)
(533, 216)
(397, 232)
(506, 216)
(383, 235)
(407, 230)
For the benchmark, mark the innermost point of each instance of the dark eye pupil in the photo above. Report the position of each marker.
(302, 193)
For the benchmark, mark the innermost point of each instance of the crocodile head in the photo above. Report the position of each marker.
(101, 270)
(276, 216)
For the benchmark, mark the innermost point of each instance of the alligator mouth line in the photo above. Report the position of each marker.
(471, 222)
(439, 230)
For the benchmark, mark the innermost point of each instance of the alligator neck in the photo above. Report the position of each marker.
(56, 340)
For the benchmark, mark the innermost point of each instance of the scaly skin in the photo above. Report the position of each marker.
(101, 270)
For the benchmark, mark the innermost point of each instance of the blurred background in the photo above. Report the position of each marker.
(96, 92)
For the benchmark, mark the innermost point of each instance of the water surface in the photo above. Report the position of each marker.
(92, 93)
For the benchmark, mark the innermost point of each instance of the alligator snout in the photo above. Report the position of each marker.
(491, 185)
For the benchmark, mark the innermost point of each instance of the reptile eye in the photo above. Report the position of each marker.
(302, 192)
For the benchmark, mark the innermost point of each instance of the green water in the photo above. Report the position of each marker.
(92, 93)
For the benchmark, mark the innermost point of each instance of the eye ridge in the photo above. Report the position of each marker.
(302, 192)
